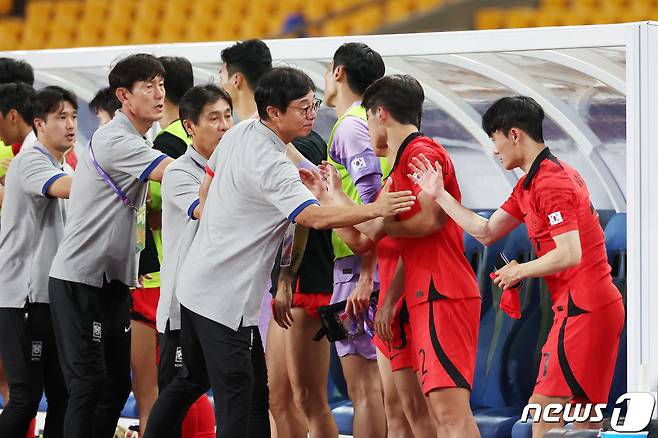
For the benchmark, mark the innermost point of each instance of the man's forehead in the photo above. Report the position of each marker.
(308, 98)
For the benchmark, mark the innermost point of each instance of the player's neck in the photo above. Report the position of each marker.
(245, 107)
(532, 150)
(344, 100)
(396, 135)
(171, 114)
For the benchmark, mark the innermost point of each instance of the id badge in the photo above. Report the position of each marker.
(286, 250)
(140, 242)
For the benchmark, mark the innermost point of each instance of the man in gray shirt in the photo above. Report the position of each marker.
(220, 286)
(32, 227)
(97, 259)
(206, 114)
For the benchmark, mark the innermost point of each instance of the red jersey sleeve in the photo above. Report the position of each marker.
(556, 200)
(511, 206)
(433, 154)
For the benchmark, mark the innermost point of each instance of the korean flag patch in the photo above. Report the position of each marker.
(358, 163)
(555, 218)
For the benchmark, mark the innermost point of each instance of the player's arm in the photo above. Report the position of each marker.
(566, 254)
(61, 187)
(158, 171)
(329, 215)
(361, 237)
(427, 221)
(297, 158)
(358, 302)
(430, 179)
(386, 312)
(283, 300)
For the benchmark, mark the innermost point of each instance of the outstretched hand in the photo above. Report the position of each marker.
(392, 203)
(429, 178)
(333, 180)
(314, 182)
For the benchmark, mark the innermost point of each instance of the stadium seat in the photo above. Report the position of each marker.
(397, 10)
(549, 16)
(489, 18)
(317, 9)
(11, 31)
(41, 11)
(615, 244)
(344, 415)
(520, 17)
(559, 4)
(427, 5)
(6, 6)
(337, 27)
(507, 360)
(366, 20)
(180, 8)
(130, 408)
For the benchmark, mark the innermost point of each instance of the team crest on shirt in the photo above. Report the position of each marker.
(178, 359)
(37, 348)
(555, 218)
(358, 163)
(96, 331)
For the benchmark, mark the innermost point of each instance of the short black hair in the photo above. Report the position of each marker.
(18, 96)
(362, 65)
(196, 98)
(252, 58)
(279, 87)
(15, 70)
(48, 100)
(521, 112)
(105, 100)
(135, 68)
(178, 77)
(401, 95)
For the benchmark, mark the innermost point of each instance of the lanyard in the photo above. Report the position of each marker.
(124, 199)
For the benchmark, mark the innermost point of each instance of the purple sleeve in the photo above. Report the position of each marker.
(351, 148)
(368, 187)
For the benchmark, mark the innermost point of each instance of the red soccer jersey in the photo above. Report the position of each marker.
(434, 265)
(388, 255)
(553, 199)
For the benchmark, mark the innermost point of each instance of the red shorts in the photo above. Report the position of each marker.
(399, 350)
(578, 359)
(445, 338)
(145, 305)
(310, 302)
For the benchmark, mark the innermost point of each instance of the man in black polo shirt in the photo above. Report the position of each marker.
(298, 393)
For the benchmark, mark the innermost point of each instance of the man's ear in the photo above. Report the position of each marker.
(122, 94)
(339, 73)
(39, 124)
(189, 127)
(273, 112)
(13, 115)
(515, 134)
(238, 80)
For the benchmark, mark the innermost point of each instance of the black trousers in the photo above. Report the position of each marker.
(92, 328)
(230, 362)
(29, 353)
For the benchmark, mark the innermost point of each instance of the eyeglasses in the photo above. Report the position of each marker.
(306, 110)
